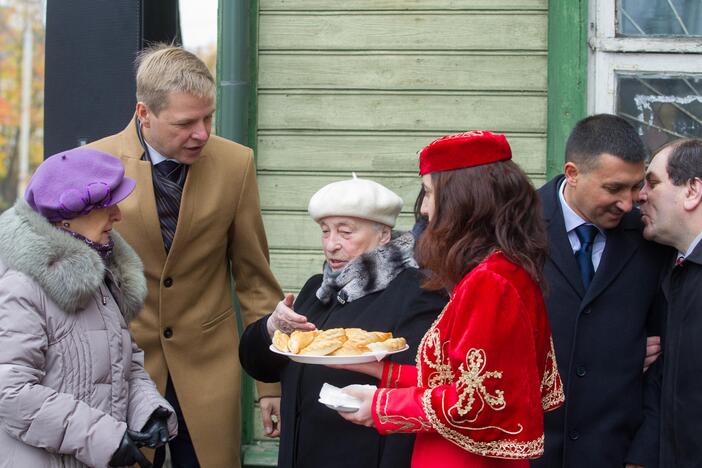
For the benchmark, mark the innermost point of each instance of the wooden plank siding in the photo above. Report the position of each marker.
(415, 5)
(293, 150)
(363, 85)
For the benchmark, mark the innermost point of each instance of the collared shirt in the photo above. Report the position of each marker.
(572, 221)
(157, 157)
(693, 245)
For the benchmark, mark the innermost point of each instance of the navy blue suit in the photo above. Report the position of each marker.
(600, 341)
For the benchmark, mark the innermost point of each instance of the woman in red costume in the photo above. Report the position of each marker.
(486, 369)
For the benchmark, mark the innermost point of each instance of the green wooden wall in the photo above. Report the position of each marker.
(363, 85)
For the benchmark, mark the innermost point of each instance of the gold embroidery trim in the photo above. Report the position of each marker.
(405, 424)
(391, 366)
(391, 382)
(397, 379)
(509, 449)
(551, 386)
(421, 353)
(471, 384)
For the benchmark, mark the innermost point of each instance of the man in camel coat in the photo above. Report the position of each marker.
(194, 219)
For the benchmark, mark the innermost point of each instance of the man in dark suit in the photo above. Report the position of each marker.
(671, 209)
(602, 299)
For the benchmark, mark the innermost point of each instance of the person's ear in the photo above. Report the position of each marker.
(693, 194)
(143, 114)
(385, 235)
(571, 172)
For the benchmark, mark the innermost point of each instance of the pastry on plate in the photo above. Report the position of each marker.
(280, 341)
(331, 334)
(393, 344)
(300, 339)
(362, 337)
(350, 348)
(323, 346)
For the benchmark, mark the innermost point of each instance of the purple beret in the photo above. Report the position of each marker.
(74, 182)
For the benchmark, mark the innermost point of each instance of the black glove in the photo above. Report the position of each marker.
(154, 434)
(128, 453)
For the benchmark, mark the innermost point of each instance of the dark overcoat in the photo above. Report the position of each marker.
(681, 404)
(600, 341)
(314, 436)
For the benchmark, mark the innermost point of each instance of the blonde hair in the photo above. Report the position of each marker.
(163, 69)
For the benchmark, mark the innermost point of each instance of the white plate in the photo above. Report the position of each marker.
(359, 359)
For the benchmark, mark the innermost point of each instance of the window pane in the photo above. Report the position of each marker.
(659, 18)
(661, 107)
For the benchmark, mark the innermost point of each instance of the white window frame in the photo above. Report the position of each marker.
(609, 55)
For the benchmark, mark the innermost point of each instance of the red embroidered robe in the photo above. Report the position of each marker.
(486, 372)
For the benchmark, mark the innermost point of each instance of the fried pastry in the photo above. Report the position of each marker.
(323, 346)
(393, 344)
(300, 339)
(337, 342)
(363, 337)
(349, 348)
(281, 340)
(331, 334)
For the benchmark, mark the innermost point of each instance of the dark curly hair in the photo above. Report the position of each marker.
(480, 210)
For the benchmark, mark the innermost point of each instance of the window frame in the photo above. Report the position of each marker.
(610, 55)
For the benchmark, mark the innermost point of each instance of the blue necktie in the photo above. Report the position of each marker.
(586, 234)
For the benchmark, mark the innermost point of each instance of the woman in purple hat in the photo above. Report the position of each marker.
(73, 390)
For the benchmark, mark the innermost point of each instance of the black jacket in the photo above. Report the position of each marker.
(681, 403)
(600, 340)
(314, 436)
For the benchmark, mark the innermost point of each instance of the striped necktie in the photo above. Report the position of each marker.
(169, 179)
(169, 169)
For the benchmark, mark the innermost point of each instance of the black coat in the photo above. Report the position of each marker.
(314, 436)
(681, 403)
(600, 341)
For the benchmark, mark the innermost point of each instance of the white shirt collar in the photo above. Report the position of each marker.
(155, 156)
(570, 217)
(692, 246)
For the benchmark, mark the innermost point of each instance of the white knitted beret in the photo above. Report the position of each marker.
(358, 198)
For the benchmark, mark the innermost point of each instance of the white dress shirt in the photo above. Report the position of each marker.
(572, 221)
(157, 157)
(692, 247)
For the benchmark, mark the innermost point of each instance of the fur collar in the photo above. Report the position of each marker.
(67, 269)
(370, 272)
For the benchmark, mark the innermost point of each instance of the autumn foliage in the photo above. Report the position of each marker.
(13, 15)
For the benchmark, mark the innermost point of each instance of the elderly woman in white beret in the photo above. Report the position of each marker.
(370, 281)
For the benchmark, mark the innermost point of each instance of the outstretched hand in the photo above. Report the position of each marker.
(285, 319)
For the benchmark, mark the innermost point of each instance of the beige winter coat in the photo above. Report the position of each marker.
(71, 377)
(188, 328)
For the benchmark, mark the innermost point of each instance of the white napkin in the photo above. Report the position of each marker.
(334, 396)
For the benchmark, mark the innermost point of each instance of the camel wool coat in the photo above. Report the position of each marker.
(188, 327)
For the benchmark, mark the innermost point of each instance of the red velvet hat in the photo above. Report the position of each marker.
(463, 150)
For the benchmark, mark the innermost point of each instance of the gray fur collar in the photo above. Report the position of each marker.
(67, 269)
(370, 272)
